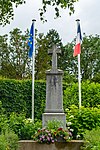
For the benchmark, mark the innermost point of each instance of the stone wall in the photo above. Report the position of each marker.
(31, 145)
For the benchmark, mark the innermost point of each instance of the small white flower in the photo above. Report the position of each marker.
(71, 130)
(69, 123)
(28, 120)
(71, 116)
(78, 136)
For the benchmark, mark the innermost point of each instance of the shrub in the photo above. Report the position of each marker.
(23, 127)
(92, 139)
(52, 132)
(8, 141)
(29, 129)
(3, 119)
(16, 122)
(90, 94)
(82, 119)
(16, 96)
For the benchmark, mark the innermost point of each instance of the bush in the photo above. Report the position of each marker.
(29, 129)
(16, 96)
(52, 132)
(8, 141)
(90, 94)
(92, 139)
(18, 123)
(3, 119)
(82, 119)
(23, 127)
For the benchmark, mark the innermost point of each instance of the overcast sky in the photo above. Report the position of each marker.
(88, 11)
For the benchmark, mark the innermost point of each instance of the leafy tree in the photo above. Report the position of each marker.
(57, 4)
(7, 12)
(4, 55)
(90, 55)
(14, 56)
(43, 44)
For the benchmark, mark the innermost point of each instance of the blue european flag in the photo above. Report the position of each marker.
(31, 41)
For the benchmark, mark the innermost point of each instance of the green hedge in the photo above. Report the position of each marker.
(90, 94)
(16, 96)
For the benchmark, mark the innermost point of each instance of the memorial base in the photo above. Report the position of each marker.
(54, 116)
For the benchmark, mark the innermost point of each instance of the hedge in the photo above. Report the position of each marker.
(90, 94)
(16, 96)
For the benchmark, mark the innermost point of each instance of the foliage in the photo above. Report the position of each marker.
(43, 136)
(16, 96)
(43, 44)
(16, 122)
(29, 129)
(68, 78)
(92, 139)
(96, 78)
(90, 94)
(82, 119)
(57, 4)
(90, 54)
(90, 64)
(7, 12)
(8, 141)
(54, 124)
(51, 136)
(22, 127)
(52, 132)
(15, 63)
(3, 119)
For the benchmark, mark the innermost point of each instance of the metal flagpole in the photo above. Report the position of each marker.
(79, 72)
(79, 80)
(33, 69)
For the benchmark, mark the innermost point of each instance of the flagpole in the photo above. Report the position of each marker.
(33, 69)
(79, 74)
(79, 80)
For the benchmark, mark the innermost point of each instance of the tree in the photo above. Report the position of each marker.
(14, 56)
(90, 58)
(43, 44)
(4, 55)
(7, 12)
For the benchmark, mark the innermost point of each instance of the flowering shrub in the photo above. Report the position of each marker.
(44, 136)
(64, 134)
(50, 136)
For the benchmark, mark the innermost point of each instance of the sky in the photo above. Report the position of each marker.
(88, 11)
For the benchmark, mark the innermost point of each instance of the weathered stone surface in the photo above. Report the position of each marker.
(54, 116)
(54, 93)
(31, 145)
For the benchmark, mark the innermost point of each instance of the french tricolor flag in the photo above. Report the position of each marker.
(77, 48)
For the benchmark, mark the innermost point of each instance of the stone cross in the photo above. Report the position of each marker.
(54, 93)
(54, 51)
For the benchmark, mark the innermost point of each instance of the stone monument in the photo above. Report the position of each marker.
(54, 93)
